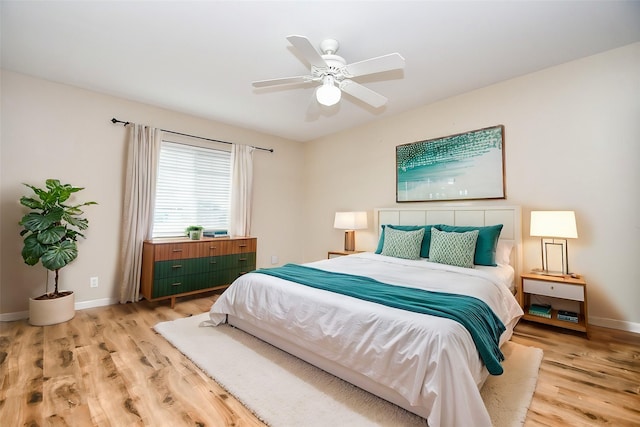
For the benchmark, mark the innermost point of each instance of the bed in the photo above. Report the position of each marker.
(427, 364)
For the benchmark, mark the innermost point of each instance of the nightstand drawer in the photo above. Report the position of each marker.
(553, 289)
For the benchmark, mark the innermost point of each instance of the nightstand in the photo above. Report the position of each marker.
(335, 254)
(562, 290)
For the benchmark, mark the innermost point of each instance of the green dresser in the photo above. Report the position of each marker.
(177, 267)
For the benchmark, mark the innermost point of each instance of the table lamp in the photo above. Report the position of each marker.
(554, 228)
(350, 221)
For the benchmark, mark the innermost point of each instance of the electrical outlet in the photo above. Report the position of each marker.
(274, 259)
(93, 282)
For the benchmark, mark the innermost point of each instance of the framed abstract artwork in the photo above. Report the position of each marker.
(464, 166)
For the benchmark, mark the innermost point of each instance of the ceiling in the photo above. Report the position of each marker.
(201, 57)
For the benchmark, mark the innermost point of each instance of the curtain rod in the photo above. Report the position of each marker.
(114, 121)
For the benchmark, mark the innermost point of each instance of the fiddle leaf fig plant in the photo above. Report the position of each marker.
(52, 227)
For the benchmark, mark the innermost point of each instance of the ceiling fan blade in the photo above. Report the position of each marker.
(362, 93)
(282, 81)
(392, 61)
(307, 50)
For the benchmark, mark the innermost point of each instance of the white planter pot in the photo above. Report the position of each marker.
(51, 311)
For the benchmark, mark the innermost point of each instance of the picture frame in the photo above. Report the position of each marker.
(464, 166)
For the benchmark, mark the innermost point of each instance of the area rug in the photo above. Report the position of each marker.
(283, 390)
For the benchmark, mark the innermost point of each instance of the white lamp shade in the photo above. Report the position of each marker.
(560, 224)
(328, 94)
(350, 220)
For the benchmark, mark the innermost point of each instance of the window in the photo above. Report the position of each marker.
(193, 188)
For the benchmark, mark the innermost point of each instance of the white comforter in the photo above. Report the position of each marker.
(430, 361)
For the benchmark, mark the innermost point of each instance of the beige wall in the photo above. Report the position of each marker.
(572, 142)
(56, 131)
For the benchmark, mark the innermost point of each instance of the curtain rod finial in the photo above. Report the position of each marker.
(114, 121)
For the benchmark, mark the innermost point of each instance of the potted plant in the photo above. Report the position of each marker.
(194, 232)
(50, 232)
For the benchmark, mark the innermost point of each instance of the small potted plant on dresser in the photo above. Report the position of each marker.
(194, 232)
(50, 232)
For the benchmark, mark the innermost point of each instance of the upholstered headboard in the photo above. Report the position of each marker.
(509, 216)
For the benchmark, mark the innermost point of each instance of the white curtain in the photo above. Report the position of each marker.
(137, 213)
(241, 189)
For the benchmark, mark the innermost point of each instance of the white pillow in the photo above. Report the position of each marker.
(503, 252)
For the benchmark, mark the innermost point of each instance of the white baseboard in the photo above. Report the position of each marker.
(82, 305)
(615, 324)
(10, 317)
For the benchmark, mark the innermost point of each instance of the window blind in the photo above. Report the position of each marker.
(193, 188)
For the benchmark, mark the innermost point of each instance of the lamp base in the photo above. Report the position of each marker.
(555, 257)
(548, 273)
(349, 240)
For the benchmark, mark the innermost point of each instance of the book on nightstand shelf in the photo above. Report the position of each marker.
(542, 310)
(568, 316)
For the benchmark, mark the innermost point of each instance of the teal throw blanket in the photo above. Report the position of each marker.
(481, 322)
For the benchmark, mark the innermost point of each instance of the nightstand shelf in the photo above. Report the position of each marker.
(580, 326)
(561, 289)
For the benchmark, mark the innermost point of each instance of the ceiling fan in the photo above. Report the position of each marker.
(335, 75)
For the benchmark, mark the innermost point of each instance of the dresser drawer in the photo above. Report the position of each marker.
(241, 246)
(553, 289)
(216, 247)
(179, 267)
(174, 251)
(170, 286)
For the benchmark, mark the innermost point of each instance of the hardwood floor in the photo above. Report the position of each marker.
(107, 367)
(584, 382)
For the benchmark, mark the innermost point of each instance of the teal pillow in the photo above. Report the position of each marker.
(453, 248)
(486, 244)
(426, 240)
(403, 244)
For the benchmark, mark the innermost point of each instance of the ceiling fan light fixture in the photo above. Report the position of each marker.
(328, 94)
(334, 74)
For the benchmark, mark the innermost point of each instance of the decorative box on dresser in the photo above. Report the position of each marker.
(561, 289)
(175, 267)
